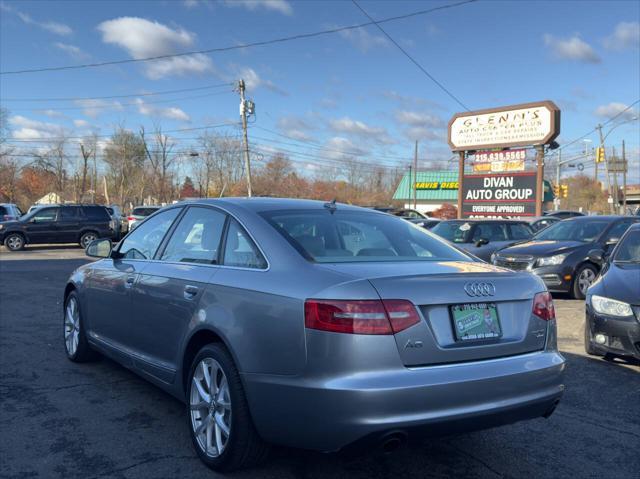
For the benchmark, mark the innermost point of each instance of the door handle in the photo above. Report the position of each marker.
(129, 281)
(190, 291)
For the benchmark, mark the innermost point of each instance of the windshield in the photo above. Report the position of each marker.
(585, 231)
(628, 250)
(456, 232)
(353, 236)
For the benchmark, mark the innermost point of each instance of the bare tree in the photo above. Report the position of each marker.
(124, 158)
(161, 160)
(221, 163)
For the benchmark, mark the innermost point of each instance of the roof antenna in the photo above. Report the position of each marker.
(331, 206)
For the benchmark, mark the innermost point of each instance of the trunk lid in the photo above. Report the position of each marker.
(434, 287)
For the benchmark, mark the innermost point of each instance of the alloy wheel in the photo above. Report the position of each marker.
(72, 326)
(587, 276)
(88, 238)
(210, 407)
(14, 242)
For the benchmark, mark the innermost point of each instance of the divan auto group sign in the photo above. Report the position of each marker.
(518, 125)
(499, 195)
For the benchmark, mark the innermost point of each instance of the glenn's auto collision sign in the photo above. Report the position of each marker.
(508, 195)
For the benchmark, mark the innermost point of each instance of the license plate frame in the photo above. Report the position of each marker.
(475, 322)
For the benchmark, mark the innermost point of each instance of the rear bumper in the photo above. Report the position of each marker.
(330, 413)
(622, 334)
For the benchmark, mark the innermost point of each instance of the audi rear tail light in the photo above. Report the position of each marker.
(360, 316)
(543, 306)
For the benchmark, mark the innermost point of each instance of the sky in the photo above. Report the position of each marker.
(325, 98)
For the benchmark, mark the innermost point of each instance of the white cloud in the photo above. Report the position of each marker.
(94, 108)
(414, 118)
(362, 39)
(280, 6)
(573, 48)
(421, 133)
(49, 26)
(171, 113)
(143, 38)
(625, 35)
(253, 80)
(72, 50)
(25, 128)
(190, 3)
(80, 123)
(360, 129)
(295, 127)
(52, 113)
(613, 109)
(340, 147)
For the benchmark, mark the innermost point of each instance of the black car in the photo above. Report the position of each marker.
(613, 300)
(563, 214)
(482, 237)
(559, 253)
(58, 224)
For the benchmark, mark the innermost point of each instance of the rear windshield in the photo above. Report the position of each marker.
(143, 211)
(354, 236)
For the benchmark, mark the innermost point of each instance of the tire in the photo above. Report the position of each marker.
(74, 338)
(14, 242)
(87, 238)
(588, 345)
(585, 274)
(226, 409)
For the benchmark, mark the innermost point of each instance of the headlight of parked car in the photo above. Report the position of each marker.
(1, 226)
(552, 260)
(610, 306)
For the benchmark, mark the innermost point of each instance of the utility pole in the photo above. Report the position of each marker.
(243, 115)
(624, 180)
(606, 167)
(614, 171)
(556, 201)
(539, 179)
(415, 177)
(410, 178)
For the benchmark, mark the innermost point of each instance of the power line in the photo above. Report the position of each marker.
(111, 97)
(237, 47)
(179, 130)
(413, 60)
(117, 105)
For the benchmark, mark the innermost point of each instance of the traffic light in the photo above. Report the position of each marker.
(564, 191)
(556, 191)
(600, 154)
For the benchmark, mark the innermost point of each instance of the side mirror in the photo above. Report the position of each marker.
(99, 248)
(597, 256)
(482, 242)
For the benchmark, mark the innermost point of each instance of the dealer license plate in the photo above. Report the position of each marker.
(475, 322)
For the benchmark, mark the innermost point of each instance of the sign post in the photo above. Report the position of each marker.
(507, 188)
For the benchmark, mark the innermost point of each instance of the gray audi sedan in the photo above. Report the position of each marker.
(314, 325)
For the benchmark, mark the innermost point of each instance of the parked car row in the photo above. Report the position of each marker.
(65, 223)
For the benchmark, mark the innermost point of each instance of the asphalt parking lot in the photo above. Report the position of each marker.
(60, 419)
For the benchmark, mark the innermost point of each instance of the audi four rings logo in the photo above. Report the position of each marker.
(480, 289)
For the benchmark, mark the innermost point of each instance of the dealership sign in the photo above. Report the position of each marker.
(527, 124)
(498, 161)
(499, 195)
(436, 185)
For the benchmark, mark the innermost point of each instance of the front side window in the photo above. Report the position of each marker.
(197, 237)
(45, 214)
(144, 241)
(490, 232)
(629, 248)
(358, 236)
(454, 231)
(239, 249)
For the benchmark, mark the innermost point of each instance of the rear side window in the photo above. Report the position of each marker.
(239, 250)
(197, 237)
(143, 242)
(358, 236)
(520, 231)
(69, 213)
(96, 213)
(619, 229)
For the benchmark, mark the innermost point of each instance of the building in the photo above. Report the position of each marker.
(433, 189)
